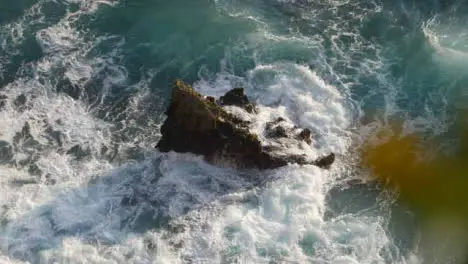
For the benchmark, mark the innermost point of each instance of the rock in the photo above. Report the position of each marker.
(22, 182)
(49, 180)
(6, 152)
(54, 136)
(211, 99)
(198, 125)
(250, 108)
(20, 100)
(67, 87)
(3, 101)
(274, 130)
(277, 132)
(25, 138)
(305, 135)
(325, 162)
(34, 169)
(271, 124)
(237, 97)
(78, 152)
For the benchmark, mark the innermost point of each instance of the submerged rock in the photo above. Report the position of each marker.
(20, 100)
(199, 125)
(3, 101)
(78, 152)
(6, 152)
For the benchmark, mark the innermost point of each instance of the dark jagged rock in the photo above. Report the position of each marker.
(305, 135)
(250, 108)
(277, 132)
(211, 99)
(325, 162)
(274, 129)
(198, 125)
(195, 124)
(237, 97)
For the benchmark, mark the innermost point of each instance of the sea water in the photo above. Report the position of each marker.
(83, 89)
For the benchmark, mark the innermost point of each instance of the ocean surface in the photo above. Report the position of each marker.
(83, 89)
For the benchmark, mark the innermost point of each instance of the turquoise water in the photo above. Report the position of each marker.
(84, 85)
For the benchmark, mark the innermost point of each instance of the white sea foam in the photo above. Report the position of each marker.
(287, 221)
(56, 123)
(175, 208)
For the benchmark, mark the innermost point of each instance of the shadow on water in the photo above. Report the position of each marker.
(133, 199)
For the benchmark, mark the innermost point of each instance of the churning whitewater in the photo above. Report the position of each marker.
(84, 85)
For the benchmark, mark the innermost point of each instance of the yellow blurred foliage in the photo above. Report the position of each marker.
(433, 184)
(436, 185)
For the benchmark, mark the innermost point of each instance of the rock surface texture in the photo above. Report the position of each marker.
(202, 126)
